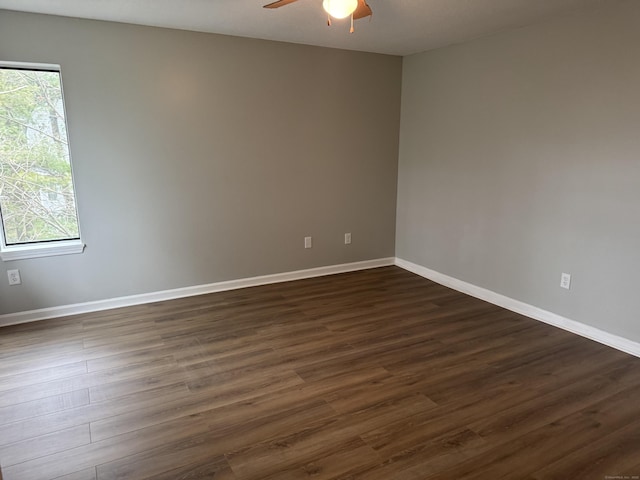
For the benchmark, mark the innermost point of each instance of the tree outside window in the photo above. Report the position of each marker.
(37, 199)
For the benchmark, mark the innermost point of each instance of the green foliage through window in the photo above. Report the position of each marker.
(37, 200)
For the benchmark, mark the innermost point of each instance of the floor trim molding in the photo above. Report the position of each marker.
(99, 305)
(587, 331)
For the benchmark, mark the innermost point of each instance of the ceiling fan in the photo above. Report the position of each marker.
(336, 8)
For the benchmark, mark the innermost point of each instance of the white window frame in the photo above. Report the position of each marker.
(47, 248)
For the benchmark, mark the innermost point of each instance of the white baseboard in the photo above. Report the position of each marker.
(592, 333)
(99, 305)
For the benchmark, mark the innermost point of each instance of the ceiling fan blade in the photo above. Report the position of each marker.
(363, 10)
(279, 3)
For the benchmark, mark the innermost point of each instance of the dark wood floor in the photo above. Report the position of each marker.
(374, 375)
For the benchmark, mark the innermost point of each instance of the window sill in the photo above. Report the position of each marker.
(22, 252)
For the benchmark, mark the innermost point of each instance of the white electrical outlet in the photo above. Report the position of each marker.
(307, 242)
(14, 277)
(565, 280)
(347, 239)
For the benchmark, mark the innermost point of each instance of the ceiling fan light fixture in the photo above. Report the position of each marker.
(340, 8)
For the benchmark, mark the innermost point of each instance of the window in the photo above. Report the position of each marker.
(37, 199)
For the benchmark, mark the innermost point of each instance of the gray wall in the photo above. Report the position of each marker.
(520, 159)
(201, 158)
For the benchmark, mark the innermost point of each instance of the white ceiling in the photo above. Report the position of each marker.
(398, 27)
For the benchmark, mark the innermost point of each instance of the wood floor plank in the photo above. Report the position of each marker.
(43, 406)
(520, 419)
(327, 467)
(86, 474)
(369, 375)
(321, 439)
(362, 395)
(99, 380)
(281, 458)
(152, 463)
(425, 427)
(125, 388)
(120, 360)
(221, 436)
(44, 445)
(43, 375)
(37, 357)
(203, 401)
(36, 426)
(209, 470)
(614, 456)
(96, 453)
(549, 443)
(614, 452)
(422, 459)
